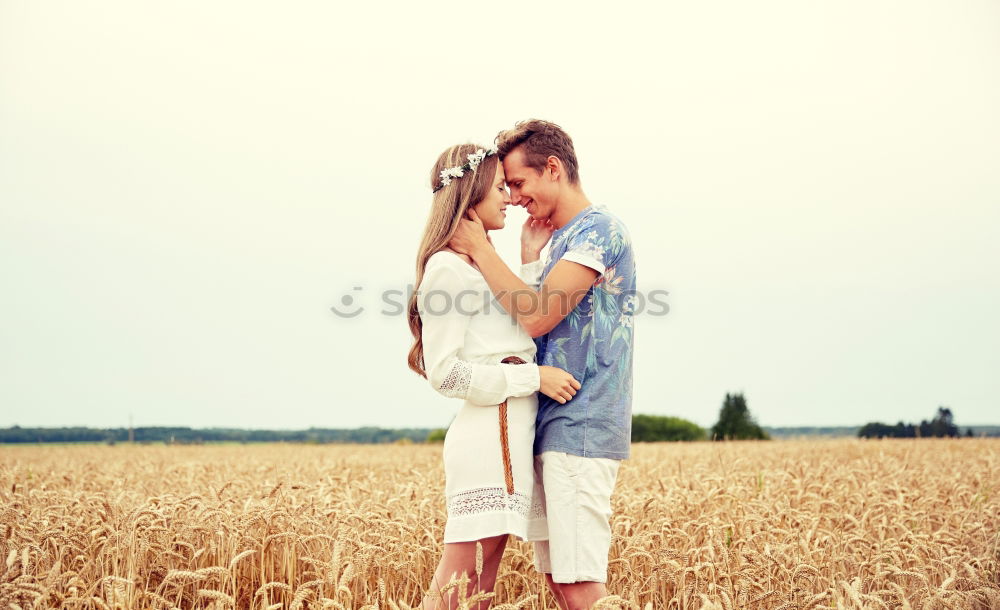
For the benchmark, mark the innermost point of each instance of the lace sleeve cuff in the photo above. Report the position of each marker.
(489, 385)
(456, 383)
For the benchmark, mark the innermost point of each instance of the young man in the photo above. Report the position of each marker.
(579, 306)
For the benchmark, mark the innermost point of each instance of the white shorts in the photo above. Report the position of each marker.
(577, 496)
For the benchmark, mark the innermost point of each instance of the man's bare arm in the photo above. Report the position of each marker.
(538, 312)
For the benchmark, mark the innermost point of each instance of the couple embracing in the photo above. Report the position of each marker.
(542, 360)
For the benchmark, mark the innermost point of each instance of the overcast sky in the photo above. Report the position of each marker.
(186, 188)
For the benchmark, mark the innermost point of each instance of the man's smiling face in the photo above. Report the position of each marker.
(529, 188)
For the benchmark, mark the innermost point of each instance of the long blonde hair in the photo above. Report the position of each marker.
(448, 206)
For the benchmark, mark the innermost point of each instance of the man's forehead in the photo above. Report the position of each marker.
(513, 163)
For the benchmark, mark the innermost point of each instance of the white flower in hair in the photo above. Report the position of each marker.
(448, 174)
(474, 159)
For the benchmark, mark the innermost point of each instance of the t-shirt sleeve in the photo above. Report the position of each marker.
(590, 245)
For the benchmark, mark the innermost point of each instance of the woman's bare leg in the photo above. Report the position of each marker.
(460, 558)
(491, 567)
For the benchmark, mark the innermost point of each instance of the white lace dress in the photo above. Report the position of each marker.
(466, 333)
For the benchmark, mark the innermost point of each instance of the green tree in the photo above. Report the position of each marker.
(735, 421)
(653, 428)
(436, 436)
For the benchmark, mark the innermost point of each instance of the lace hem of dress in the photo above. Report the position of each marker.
(493, 500)
(456, 383)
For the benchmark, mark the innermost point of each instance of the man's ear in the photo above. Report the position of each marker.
(555, 166)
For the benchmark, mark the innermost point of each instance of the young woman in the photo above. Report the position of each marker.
(469, 348)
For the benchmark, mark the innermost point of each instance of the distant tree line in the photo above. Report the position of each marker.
(645, 428)
(800, 431)
(17, 434)
(942, 425)
(735, 423)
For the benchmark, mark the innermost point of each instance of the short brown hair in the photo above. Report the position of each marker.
(540, 139)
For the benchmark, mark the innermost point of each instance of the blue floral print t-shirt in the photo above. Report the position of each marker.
(593, 342)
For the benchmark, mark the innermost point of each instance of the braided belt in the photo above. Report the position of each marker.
(508, 472)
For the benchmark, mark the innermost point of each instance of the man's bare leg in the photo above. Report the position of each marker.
(557, 593)
(582, 595)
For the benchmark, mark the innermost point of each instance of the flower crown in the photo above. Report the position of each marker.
(447, 175)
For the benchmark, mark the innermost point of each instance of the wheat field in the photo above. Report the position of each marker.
(840, 523)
